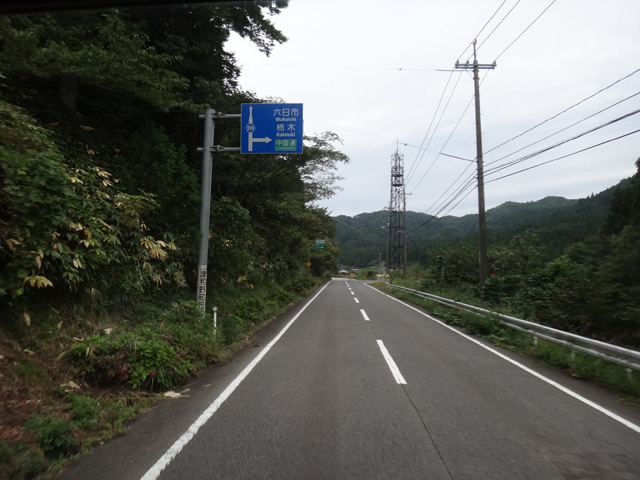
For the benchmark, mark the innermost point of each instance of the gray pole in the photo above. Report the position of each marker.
(482, 225)
(205, 211)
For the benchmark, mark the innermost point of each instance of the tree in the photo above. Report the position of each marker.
(106, 50)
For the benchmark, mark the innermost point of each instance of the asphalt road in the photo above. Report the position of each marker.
(360, 385)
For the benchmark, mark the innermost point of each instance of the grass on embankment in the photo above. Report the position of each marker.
(71, 380)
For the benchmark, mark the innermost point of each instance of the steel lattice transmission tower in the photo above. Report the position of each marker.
(397, 253)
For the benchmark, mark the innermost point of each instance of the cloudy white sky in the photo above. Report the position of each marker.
(369, 71)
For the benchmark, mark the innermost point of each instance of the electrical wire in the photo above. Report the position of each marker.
(499, 23)
(563, 129)
(482, 29)
(416, 162)
(437, 217)
(456, 126)
(564, 111)
(443, 146)
(498, 168)
(415, 165)
(565, 156)
(523, 32)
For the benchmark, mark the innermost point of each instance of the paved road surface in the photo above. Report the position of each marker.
(363, 386)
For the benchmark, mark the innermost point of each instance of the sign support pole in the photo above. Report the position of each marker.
(284, 119)
(205, 209)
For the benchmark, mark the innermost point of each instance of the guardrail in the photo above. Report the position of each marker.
(613, 353)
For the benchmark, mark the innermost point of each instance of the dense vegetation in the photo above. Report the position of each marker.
(100, 206)
(570, 264)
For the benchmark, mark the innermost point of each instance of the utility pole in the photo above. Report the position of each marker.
(482, 225)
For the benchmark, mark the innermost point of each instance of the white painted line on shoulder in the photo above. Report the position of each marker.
(357, 301)
(364, 314)
(154, 472)
(560, 387)
(395, 371)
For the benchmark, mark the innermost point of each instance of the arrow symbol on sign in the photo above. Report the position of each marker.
(252, 128)
(256, 140)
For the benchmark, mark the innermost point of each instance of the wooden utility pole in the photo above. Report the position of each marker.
(482, 224)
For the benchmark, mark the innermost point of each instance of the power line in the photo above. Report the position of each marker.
(565, 128)
(415, 165)
(469, 186)
(416, 162)
(565, 156)
(523, 32)
(434, 219)
(499, 23)
(440, 153)
(444, 145)
(493, 170)
(482, 29)
(565, 110)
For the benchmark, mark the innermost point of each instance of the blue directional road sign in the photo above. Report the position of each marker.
(271, 128)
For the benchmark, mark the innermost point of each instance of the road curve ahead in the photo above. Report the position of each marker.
(352, 383)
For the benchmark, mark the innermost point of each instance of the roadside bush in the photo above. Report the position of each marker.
(482, 326)
(85, 412)
(250, 309)
(142, 357)
(53, 435)
(20, 461)
(231, 327)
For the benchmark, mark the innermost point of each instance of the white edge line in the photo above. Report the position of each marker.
(364, 314)
(562, 388)
(395, 371)
(154, 472)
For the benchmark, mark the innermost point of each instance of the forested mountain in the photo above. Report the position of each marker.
(558, 222)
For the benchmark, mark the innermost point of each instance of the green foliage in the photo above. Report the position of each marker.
(68, 228)
(85, 411)
(232, 328)
(21, 461)
(53, 435)
(52, 47)
(141, 357)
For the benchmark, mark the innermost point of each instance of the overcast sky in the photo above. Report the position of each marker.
(369, 71)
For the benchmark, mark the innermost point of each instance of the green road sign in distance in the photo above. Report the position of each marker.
(271, 128)
(319, 244)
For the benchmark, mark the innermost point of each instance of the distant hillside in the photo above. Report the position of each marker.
(558, 222)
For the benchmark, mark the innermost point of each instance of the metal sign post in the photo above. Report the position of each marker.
(208, 148)
(259, 120)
